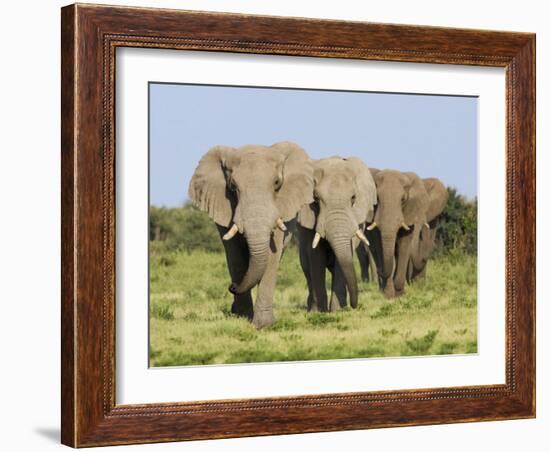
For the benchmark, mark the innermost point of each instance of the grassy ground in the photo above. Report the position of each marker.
(191, 323)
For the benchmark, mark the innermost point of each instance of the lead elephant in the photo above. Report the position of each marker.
(400, 215)
(438, 197)
(252, 193)
(331, 227)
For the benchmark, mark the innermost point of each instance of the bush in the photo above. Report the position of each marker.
(457, 230)
(182, 229)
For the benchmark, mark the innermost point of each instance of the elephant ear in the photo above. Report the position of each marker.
(307, 216)
(416, 202)
(208, 187)
(365, 192)
(438, 197)
(297, 188)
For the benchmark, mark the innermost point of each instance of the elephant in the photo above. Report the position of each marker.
(332, 226)
(365, 255)
(438, 197)
(401, 213)
(253, 194)
(367, 262)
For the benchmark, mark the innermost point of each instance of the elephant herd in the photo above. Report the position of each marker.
(258, 196)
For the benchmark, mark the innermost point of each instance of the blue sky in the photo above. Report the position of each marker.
(430, 135)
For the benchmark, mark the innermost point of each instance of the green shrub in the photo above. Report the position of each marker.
(182, 229)
(457, 230)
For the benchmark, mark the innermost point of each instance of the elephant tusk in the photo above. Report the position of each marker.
(405, 226)
(231, 233)
(281, 224)
(362, 237)
(427, 225)
(371, 226)
(316, 240)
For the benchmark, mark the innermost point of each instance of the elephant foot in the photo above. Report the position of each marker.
(312, 308)
(389, 292)
(336, 305)
(243, 309)
(263, 319)
(399, 291)
(316, 308)
(311, 304)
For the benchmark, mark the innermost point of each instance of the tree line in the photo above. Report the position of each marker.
(187, 229)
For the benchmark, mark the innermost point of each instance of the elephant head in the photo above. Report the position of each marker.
(401, 211)
(344, 200)
(252, 190)
(437, 200)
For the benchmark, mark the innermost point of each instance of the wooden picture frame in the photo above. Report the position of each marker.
(90, 35)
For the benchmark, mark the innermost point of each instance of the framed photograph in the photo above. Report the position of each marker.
(282, 225)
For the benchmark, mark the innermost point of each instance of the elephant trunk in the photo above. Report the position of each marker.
(259, 251)
(341, 245)
(388, 254)
(388, 262)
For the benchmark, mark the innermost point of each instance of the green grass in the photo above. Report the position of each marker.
(191, 321)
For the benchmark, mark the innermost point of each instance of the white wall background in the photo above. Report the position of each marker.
(30, 263)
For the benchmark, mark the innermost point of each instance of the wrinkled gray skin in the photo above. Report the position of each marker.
(344, 200)
(400, 215)
(247, 190)
(438, 197)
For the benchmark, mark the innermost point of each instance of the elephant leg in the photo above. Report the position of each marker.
(263, 309)
(375, 256)
(410, 271)
(236, 254)
(403, 257)
(305, 238)
(363, 258)
(319, 261)
(373, 268)
(339, 292)
(421, 273)
(388, 285)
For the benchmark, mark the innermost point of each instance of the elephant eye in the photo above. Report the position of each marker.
(277, 184)
(353, 198)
